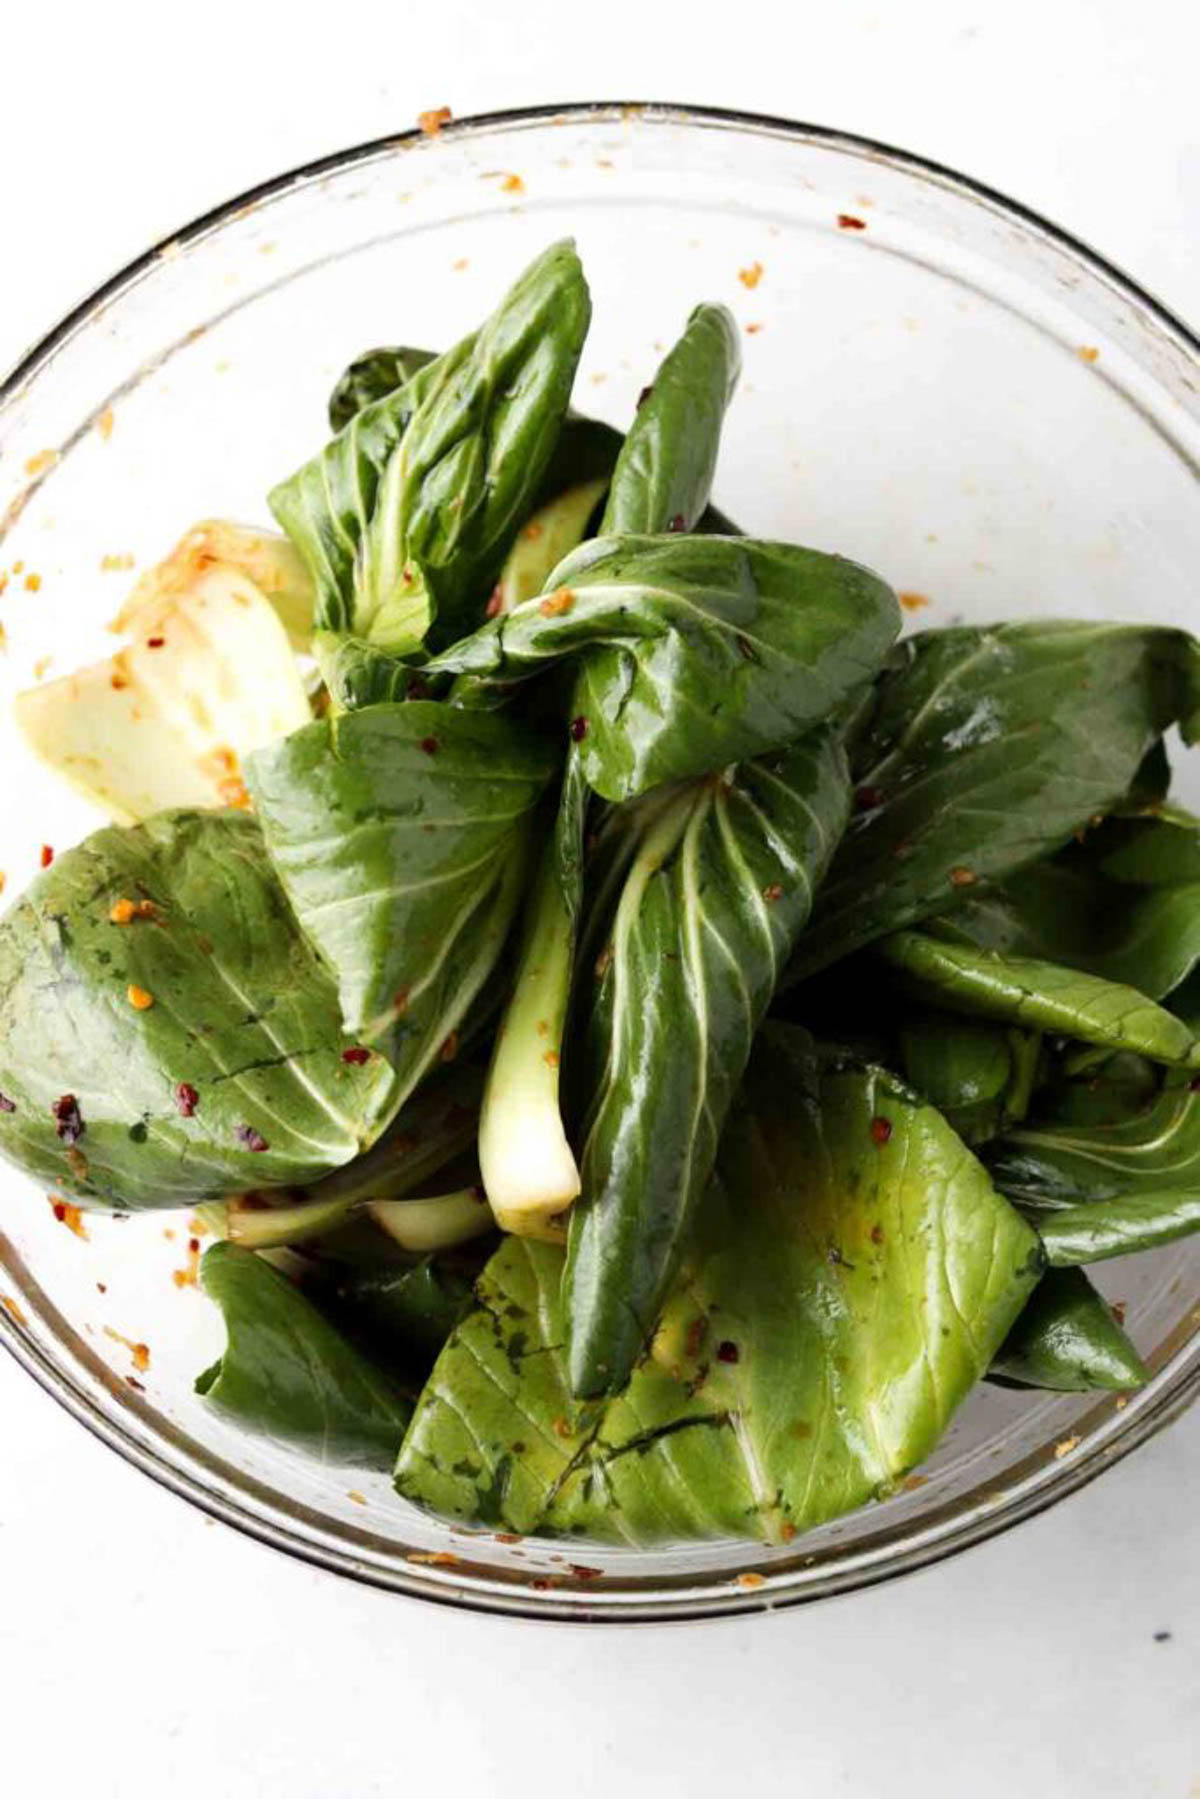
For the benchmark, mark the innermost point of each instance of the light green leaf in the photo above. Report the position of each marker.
(212, 992)
(841, 1296)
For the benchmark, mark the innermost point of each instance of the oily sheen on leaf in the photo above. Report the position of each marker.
(844, 1289)
(167, 1034)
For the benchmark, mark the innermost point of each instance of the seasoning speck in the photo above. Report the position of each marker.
(251, 1139)
(750, 1581)
(124, 911)
(68, 1119)
(1066, 1446)
(71, 1216)
(6, 1104)
(557, 603)
(13, 1309)
(728, 1352)
(847, 221)
(429, 745)
(512, 184)
(913, 602)
(449, 1048)
(495, 605)
(47, 855)
(186, 1099)
(104, 424)
(1088, 353)
(752, 276)
(37, 465)
(139, 999)
(32, 583)
(963, 877)
(433, 119)
(356, 1056)
(881, 1131)
(356, 1496)
(579, 729)
(773, 892)
(550, 1058)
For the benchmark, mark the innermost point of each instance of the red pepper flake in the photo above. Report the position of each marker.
(512, 184)
(400, 1002)
(750, 1581)
(135, 1384)
(507, 1536)
(125, 911)
(581, 1571)
(773, 892)
(557, 603)
(1088, 353)
(1118, 1310)
(913, 602)
(429, 745)
(356, 1056)
(881, 1131)
(449, 1048)
(68, 1119)
(877, 1233)
(753, 330)
(914, 1483)
(963, 877)
(562, 1428)
(677, 524)
(728, 1352)
(551, 1058)
(155, 643)
(693, 1340)
(71, 1216)
(6, 1104)
(541, 1586)
(101, 1287)
(787, 1531)
(47, 855)
(13, 1309)
(867, 798)
(433, 119)
(495, 605)
(752, 276)
(847, 221)
(189, 1276)
(186, 1099)
(251, 1139)
(32, 583)
(138, 997)
(579, 729)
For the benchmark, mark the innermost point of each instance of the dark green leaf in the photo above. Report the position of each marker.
(1118, 1227)
(985, 751)
(1158, 851)
(1039, 995)
(690, 652)
(953, 1062)
(665, 470)
(373, 376)
(840, 1298)
(400, 833)
(287, 1374)
(232, 1078)
(1066, 911)
(406, 517)
(719, 882)
(404, 1315)
(1067, 1339)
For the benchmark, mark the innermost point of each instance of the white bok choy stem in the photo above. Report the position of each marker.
(440, 1222)
(529, 1171)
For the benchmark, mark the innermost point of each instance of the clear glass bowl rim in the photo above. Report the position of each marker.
(1177, 1392)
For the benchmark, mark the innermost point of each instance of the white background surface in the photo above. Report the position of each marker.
(146, 1651)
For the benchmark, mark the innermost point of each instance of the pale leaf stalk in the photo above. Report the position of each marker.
(440, 1222)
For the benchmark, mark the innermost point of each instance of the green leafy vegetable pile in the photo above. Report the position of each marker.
(670, 1038)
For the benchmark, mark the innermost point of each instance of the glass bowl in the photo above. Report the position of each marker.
(936, 383)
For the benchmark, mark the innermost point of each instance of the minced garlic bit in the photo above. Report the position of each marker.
(555, 604)
(431, 122)
(752, 276)
(139, 999)
(356, 1496)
